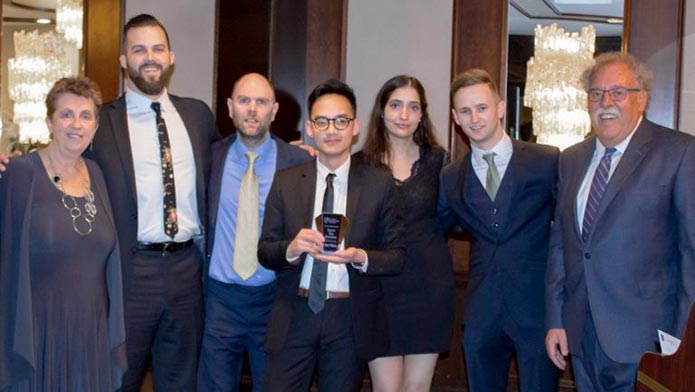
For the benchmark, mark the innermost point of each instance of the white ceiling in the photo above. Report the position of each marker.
(28, 9)
(571, 15)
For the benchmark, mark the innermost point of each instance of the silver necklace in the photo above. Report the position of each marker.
(79, 219)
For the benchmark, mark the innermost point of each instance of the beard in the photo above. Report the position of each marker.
(147, 85)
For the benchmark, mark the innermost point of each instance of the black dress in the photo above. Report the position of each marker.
(420, 300)
(70, 304)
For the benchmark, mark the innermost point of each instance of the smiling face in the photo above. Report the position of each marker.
(73, 124)
(333, 144)
(147, 60)
(402, 112)
(614, 121)
(252, 108)
(478, 111)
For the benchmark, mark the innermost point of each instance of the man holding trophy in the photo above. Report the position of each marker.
(330, 225)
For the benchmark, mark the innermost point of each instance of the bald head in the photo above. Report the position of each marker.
(252, 108)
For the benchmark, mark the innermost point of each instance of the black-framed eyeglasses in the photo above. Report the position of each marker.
(617, 94)
(339, 123)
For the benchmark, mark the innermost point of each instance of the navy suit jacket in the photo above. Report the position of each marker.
(287, 156)
(111, 149)
(508, 264)
(636, 271)
(375, 226)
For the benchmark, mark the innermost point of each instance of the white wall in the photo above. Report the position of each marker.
(191, 28)
(386, 38)
(687, 109)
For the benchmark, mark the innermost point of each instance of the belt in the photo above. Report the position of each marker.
(304, 293)
(165, 247)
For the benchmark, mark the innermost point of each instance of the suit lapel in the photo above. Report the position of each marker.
(517, 166)
(219, 157)
(306, 192)
(355, 184)
(582, 161)
(118, 119)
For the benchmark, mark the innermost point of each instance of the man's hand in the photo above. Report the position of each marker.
(345, 256)
(5, 159)
(300, 143)
(556, 346)
(306, 241)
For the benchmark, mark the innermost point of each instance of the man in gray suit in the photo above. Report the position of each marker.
(622, 252)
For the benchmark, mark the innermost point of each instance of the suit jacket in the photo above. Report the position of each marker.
(111, 149)
(287, 156)
(636, 271)
(507, 262)
(375, 226)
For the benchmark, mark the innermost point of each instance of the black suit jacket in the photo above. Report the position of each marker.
(287, 156)
(111, 149)
(507, 266)
(375, 226)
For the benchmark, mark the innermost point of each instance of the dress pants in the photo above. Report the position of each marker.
(236, 317)
(324, 339)
(595, 371)
(489, 348)
(164, 319)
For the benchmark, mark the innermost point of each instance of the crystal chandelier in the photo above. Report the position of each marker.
(69, 20)
(39, 61)
(553, 85)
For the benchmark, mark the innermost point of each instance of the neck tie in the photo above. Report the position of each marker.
(171, 226)
(246, 239)
(492, 179)
(319, 271)
(598, 188)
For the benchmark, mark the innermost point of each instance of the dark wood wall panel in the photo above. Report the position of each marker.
(102, 45)
(654, 30)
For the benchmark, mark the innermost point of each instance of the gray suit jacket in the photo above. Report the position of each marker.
(636, 271)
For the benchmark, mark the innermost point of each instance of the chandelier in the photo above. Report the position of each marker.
(39, 61)
(553, 85)
(69, 20)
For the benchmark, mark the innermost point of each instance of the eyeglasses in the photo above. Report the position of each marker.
(616, 94)
(339, 123)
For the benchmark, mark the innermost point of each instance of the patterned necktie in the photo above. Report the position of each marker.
(246, 239)
(319, 271)
(598, 188)
(492, 179)
(171, 225)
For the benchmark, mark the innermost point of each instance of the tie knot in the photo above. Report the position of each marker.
(251, 156)
(489, 158)
(609, 152)
(157, 108)
(330, 177)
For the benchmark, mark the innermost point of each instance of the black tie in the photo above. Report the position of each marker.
(319, 271)
(171, 226)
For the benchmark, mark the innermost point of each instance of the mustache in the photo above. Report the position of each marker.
(601, 112)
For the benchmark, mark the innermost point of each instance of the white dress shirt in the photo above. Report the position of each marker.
(503, 154)
(599, 151)
(144, 142)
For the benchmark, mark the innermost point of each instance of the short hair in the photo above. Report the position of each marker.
(376, 146)
(643, 75)
(472, 77)
(332, 86)
(82, 87)
(143, 20)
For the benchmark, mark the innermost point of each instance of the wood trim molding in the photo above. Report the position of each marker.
(102, 45)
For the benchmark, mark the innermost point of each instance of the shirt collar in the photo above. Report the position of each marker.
(136, 101)
(503, 151)
(622, 146)
(264, 150)
(341, 174)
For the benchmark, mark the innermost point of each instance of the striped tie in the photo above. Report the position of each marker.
(598, 188)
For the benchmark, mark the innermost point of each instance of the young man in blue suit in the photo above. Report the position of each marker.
(238, 298)
(503, 194)
(328, 311)
(622, 259)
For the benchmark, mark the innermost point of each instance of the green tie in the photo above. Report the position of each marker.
(492, 180)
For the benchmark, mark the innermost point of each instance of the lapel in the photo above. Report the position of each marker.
(219, 156)
(306, 193)
(517, 166)
(118, 120)
(634, 153)
(583, 159)
(469, 180)
(189, 121)
(355, 183)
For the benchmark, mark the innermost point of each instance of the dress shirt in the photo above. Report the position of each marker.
(599, 151)
(503, 154)
(144, 143)
(338, 279)
(235, 165)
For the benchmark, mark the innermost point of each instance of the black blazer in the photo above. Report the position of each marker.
(111, 149)
(507, 266)
(375, 226)
(287, 156)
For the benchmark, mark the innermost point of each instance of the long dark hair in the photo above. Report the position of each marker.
(376, 147)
